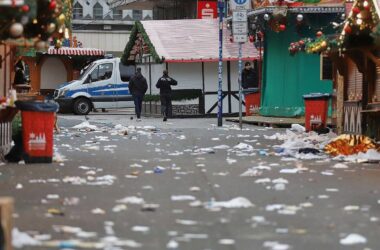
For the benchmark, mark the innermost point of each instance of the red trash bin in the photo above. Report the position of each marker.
(252, 101)
(316, 107)
(37, 130)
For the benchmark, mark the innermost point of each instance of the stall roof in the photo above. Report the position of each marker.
(190, 40)
(76, 51)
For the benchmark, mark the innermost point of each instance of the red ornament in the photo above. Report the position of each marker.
(302, 42)
(319, 33)
(348, 29)
(251, 39)
(52, 5)
(356, 10)
(25, 8)
(282, 27)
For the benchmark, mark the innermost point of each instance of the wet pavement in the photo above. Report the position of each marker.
(187, 184)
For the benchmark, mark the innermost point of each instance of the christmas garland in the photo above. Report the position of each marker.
(314, 45)
(138, 28)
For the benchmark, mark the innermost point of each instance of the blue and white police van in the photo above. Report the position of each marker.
(102, 85)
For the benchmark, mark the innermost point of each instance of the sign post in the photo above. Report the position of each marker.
(240, 35)
(220, 66)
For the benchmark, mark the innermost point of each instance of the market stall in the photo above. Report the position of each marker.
(25, 24)
(189, 50)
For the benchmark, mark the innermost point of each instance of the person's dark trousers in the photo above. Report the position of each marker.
(166, 105)
(138, 99)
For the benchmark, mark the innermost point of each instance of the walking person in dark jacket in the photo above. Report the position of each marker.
(20, 77)
(164, 84)
(138, 87)
(249, 77)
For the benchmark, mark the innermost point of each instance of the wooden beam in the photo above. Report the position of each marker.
(6, 220)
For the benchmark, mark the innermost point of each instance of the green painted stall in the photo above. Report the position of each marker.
(287, 78)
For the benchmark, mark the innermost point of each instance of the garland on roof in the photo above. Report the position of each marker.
(137, 29)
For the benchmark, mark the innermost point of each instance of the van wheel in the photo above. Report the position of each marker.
(82, 106)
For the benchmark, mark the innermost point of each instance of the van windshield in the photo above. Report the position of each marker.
(85, 70)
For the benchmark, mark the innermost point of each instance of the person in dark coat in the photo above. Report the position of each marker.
(164, 84)
(20, 77)
(138, 87)
(249, 77)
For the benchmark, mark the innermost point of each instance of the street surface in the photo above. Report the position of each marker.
(170, 185)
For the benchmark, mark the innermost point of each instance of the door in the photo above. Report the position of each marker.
(101, 86)
(124, 97)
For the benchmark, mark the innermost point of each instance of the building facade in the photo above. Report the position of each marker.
(96, 25)
(162, 9)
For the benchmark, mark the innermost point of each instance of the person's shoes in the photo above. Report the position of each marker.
(138, 120)
(165, 119)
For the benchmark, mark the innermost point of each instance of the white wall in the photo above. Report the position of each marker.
(189, 76)
(53, 73)
(108, 41)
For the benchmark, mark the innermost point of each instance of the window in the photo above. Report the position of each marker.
(77, 11)
(137, 14)
(98, 11)
(102, 72)
(126, 72)
(118, 14)
(326, 68)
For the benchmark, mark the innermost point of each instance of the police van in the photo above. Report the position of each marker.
(102, 85)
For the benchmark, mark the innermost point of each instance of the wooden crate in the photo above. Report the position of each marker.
(6, 220)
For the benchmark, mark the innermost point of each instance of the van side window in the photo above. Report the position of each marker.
(102, 72)
(126, 72)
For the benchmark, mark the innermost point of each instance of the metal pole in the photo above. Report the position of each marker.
(240, 87)
(220, 68)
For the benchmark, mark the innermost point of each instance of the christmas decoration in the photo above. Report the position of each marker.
(299, 17)
(34, 21)
(282, 27)
(138, 33)
(16, 30)
(318, 45)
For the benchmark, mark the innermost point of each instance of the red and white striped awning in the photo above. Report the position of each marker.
(76, 51)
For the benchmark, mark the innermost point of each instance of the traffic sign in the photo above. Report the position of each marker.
(239, 16)
(240, 38)
(240, 4)
(239, 28)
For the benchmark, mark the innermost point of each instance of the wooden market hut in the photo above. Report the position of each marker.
(189, 50)
(357, 75)
(286, 78)
(48, 70)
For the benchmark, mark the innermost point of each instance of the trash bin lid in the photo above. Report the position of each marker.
(37, 106)
(317, 96)
(250, 90)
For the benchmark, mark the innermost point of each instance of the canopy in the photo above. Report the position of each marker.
(76, 51)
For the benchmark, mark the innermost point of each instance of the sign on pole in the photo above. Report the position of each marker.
(240, 4)
(240, 26)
